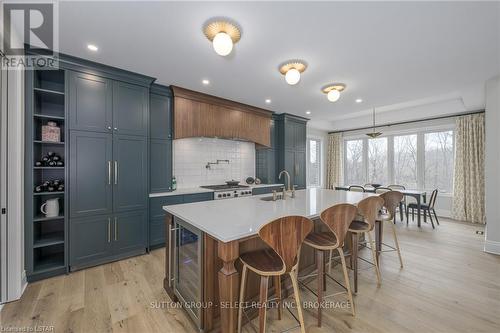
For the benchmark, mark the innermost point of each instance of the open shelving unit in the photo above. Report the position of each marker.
(46, 237)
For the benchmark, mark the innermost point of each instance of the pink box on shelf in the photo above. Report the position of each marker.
(51, 132)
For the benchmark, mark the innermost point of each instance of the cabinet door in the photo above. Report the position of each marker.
(300, 136)
(129, 172)
(160, 117)
(160, 165)
(300, 169)
(129, 232)
(266, 165)
(90, 181)
(289, 165)
(90, 102)
(90, 239)
(130, 108)
(289, 134)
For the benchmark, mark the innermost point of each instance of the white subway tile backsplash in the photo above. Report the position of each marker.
(192, 155)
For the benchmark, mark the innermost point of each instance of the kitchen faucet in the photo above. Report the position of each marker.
(287, 177)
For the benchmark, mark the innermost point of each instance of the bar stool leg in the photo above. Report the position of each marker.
(242, 296)
(346, 280)
(397, 244)
(264, 282)
(374, 254)
(320, 263)
(295, 286)
(330, 263)
(354, 259)
(277, 288)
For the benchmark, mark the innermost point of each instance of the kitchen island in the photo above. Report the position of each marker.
(205, 239)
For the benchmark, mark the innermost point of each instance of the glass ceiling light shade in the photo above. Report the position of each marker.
(292, 71)
(223, 36)
(374, 134)
(333, 95)
(333, 91)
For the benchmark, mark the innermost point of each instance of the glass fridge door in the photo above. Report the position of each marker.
(188, 269)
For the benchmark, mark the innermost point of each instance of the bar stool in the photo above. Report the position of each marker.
(285, 237)
(391, 200)
(337, 218)
(356, 188)
(369, 209)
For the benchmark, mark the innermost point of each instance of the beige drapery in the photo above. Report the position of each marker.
(334, 167)
(468, 181)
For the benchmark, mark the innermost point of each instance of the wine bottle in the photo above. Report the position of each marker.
(60, 163)
(38, 189)
(51, 154)
(52, 163)
(56, 158)
(38, 163)
(45, 159)
(50, 188)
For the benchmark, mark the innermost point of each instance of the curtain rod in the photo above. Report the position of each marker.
(410, 121)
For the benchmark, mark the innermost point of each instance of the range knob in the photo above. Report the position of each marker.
(219, 196)
(224, 195)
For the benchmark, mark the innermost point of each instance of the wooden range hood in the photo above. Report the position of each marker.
(201, 115)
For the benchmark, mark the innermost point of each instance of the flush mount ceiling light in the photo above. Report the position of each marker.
(223, 35)
(92, 47)
(333, 91)
(374, 134)
(292, 71)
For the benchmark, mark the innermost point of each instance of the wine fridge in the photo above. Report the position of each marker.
(185, 261)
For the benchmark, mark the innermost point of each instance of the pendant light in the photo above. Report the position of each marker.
(374, 134)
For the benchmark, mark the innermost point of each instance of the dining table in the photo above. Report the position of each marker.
(419, 195)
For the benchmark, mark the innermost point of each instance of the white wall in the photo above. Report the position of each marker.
(492, 164)
(323, 136)
(192, 155)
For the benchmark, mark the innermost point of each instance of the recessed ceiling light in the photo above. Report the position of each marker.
(268, 101)
(205, 82)
(359, 100)
(92, 47)
(308, 112)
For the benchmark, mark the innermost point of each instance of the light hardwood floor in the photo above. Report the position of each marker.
(448, 284)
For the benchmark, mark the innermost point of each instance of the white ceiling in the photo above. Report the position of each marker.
(387, 53)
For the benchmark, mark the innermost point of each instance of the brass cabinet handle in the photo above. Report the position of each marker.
(116, 172)
(116, 229)
(109, 172)
(109, 230)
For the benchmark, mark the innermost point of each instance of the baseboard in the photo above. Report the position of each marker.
(443, 213)
(1, 306)
(492, 247)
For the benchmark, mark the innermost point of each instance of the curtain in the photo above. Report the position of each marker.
(334, 161)
(468, 180)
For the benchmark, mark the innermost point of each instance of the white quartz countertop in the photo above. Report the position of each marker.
(232, 219)
(195, 190)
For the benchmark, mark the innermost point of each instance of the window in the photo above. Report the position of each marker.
(423, 159)
(405, 160)
(354, 173)
(438, 171)
(314, 163)
(377, 161)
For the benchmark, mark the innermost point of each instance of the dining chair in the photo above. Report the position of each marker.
(391, 200)
(380, 190)
(356, 188)
(284, 236)
(368, 210)
(426, 208)
(403, 203)
(337, 220)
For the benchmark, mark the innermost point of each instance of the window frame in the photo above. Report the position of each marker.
(390, 134)
(320, 161)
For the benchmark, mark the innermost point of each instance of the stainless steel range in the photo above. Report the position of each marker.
(229, 191)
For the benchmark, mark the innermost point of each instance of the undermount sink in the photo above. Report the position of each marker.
(271, 198)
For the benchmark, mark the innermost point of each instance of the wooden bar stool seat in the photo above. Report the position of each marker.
(263, 261)
(337, 218)
(392, 200)
(284, 236)
(321, 239)
(368, 209)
